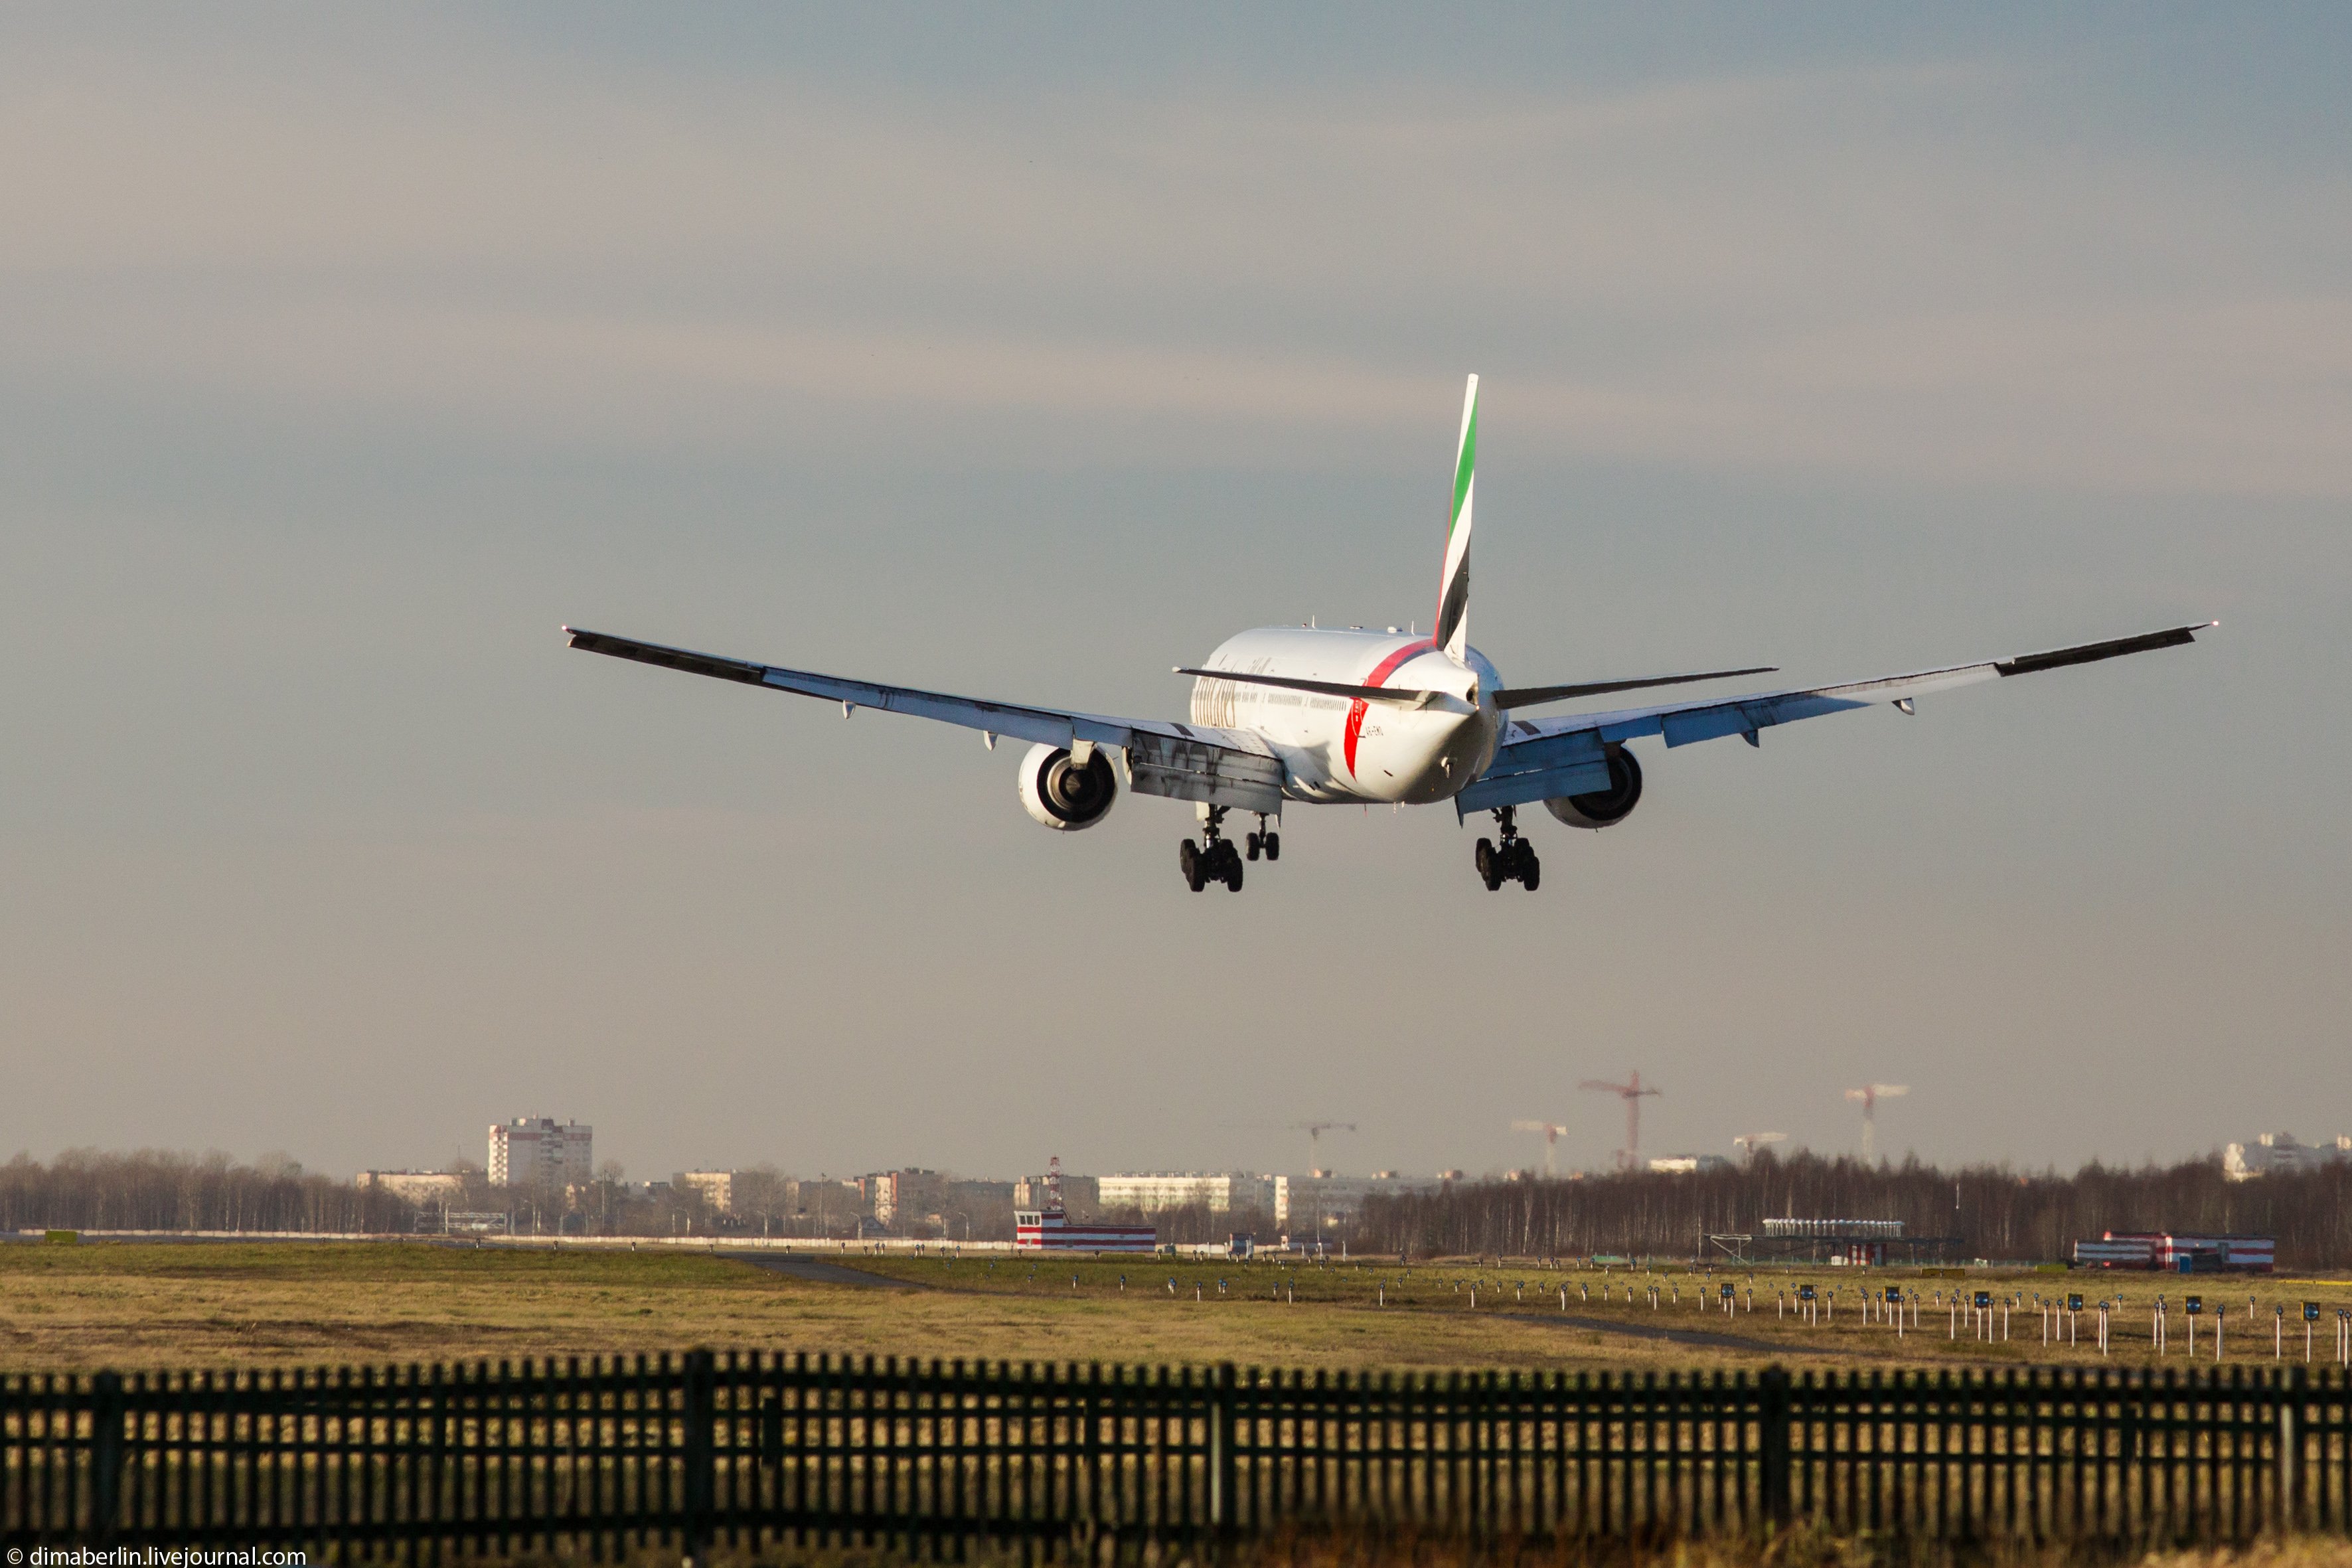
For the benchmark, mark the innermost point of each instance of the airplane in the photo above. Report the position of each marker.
(1331, 715)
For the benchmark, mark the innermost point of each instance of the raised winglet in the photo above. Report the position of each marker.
(2092, 652)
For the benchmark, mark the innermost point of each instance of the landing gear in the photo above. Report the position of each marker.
(1214, 858)
(1513, 860)
(1266, 841)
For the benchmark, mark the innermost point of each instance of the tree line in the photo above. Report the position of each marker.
(1994, 1211)
(84, 1189)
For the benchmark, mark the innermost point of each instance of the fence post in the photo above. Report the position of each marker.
(1772, 1419)
(106, 1455)
(1223, 1474)
(700, 1457)
(2290, 1449)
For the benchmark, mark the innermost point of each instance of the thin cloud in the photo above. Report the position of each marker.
(1790, 271)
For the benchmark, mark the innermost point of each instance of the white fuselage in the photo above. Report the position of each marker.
(1339, 749)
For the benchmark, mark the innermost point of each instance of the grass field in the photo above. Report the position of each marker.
(126, 1305)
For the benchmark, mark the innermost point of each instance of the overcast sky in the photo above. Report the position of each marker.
(1026, 352)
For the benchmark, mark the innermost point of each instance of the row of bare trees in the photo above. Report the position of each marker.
(1996, 1212)
(89, 1189)
(84, 1189)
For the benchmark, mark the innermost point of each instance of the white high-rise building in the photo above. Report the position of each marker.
(716, 1187)
(2279, 1154)
(539, 1151)
(444, 1187)
(1150, 1191)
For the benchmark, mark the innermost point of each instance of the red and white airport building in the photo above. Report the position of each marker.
(1048, 1228)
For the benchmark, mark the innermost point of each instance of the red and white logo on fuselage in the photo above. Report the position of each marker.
(1379, 677)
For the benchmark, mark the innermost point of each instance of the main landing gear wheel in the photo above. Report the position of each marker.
(1214, 858)
(1513, 860)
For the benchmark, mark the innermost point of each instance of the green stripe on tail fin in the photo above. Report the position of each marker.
(1453, 632)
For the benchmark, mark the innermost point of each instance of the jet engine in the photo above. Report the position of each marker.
(1063, 795)
(1603, 807)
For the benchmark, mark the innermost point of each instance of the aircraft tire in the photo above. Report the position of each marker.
(1530, 873)
(1274, 845)
(1188, 856)
(1490, 870)
(1256, 843)
(1232, 873)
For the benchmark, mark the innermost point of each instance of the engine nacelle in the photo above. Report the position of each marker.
(1064, 797)
(1603, 807)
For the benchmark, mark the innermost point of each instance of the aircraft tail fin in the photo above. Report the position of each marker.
(1453, 627)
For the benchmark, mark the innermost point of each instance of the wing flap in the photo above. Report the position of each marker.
(1520, 786)
(1573, 762)
(1181, 768)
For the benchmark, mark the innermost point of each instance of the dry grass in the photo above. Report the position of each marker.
(274, 1305)
(280, 1304)
(1840, 1333)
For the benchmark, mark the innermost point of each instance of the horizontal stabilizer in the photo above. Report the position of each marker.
(1403, 697)
(1530, 696)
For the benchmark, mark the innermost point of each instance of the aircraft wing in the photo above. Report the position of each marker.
(1182, 762)
(1543, 758)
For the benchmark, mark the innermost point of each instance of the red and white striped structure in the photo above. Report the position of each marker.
(2166, 1252)
(1048, 1229)
(2238, 1254)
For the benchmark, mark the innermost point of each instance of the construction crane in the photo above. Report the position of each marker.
(1870, 1094)
(1632, 1093)
(1315, 1131)
(1748, 1142)
(1551, 1131)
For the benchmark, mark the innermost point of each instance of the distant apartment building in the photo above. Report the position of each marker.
(538, 1151)
(2278, 1154)
(1320, 1198)
(716, 1187)
(415, 1186)
(1150, 1191)
(904, 1197)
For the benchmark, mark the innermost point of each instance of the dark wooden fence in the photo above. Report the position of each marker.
(935, 1456)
